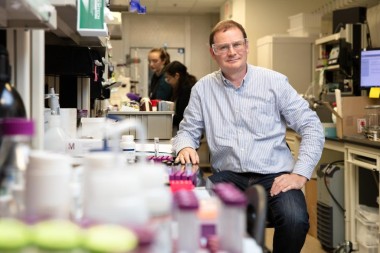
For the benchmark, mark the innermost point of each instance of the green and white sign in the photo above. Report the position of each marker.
(90, 19)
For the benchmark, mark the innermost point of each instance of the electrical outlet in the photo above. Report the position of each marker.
(361, 123)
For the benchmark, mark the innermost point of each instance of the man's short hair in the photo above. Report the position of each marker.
(223, 26)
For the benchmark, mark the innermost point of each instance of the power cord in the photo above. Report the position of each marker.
(327, 187)
(369, 41)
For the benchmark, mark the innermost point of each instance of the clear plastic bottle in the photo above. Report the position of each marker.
(55, 137)
(17, 134)
(128, 146)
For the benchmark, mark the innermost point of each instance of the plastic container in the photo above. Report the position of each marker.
(304, 31)
(55, 138)
(14, 154)
(128, 146)
(47, 186)
(187, 220)
(373, 117)
(367, 232)
(112, 194)
(232, 219)
(158, 199)
(305, 20)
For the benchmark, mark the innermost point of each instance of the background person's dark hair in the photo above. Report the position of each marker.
(185, 79)
(224, 26)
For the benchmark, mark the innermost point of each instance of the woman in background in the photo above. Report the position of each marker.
(159, 89)
(182, 82)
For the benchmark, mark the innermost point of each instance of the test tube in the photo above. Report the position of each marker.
(156, 146)
(231, 221)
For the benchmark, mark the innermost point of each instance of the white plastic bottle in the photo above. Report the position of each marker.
(128, 146)
(55, 137)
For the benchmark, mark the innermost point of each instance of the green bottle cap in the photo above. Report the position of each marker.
(57, 235)
(110, 238)
(13, 234)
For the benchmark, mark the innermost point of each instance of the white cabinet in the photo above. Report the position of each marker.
(291, 56)
(28, 14)
(359, 157)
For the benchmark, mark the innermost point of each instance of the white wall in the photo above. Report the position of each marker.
(271, 17)
(373, 17)
(259, 17)
(184, 31)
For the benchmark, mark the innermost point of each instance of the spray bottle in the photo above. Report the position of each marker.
(55, 137)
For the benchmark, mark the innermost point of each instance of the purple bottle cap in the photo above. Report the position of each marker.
(186, 200)
(16, 126)
(178, 175)
(230, 194)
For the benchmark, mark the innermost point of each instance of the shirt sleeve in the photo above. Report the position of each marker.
(192, 125)
(302, 119)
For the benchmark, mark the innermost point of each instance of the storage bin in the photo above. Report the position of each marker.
(367, 232)
(305, 31)
(305, 20)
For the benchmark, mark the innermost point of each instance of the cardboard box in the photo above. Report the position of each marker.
(311, 202)
(353, 111)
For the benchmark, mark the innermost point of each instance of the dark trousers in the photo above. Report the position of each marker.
(287, 211)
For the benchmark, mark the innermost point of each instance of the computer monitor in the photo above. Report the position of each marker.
(370, 68)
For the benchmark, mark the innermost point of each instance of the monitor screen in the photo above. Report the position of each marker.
(370, 68)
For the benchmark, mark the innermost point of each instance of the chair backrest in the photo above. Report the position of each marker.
(256, 213)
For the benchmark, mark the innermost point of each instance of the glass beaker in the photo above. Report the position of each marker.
(372, 117)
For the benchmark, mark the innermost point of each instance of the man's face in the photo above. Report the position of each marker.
(230, 50)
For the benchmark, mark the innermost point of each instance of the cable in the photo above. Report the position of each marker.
(328, 189)
(375, 178)
(369, 41)
(338, 27)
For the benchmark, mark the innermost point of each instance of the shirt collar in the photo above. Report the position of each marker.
(247, 76)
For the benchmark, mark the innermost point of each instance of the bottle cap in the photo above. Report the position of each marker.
(186, 200)
(13, 234)
(57, 235)
(110, 238)
(230, 195)
(16, 126)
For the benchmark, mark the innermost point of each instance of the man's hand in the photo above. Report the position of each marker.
(187, 155)
(287, 182)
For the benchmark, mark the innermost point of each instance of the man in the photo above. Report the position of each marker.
(244, 111)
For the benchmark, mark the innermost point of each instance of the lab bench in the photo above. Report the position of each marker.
(157, 124)
(360, 155)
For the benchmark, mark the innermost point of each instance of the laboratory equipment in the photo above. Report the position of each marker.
(330, 205)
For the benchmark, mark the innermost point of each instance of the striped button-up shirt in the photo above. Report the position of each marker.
(245, 127)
